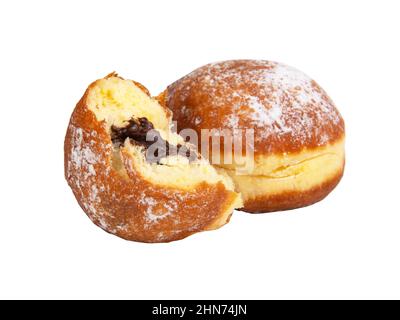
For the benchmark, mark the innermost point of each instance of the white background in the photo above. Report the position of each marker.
(346, 246)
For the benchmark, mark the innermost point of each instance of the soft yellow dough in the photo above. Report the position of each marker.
(277, 174)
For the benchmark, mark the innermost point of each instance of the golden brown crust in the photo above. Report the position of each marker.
(293, 199)
(288, 111)
(125, 204)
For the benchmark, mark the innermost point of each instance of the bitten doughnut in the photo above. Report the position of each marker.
(158, 196)
(299, 134)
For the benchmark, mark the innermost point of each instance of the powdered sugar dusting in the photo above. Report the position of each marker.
(156, 211)
(82, 156)
(84, 159)
(275, 99)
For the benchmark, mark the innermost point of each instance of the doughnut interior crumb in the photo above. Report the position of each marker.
(117, 101)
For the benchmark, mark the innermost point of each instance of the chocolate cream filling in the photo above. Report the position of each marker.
(137, 130)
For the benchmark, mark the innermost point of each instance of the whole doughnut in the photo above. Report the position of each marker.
(299, 133)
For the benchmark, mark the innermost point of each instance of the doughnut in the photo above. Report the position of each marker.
(298, 145)
(128, 187)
